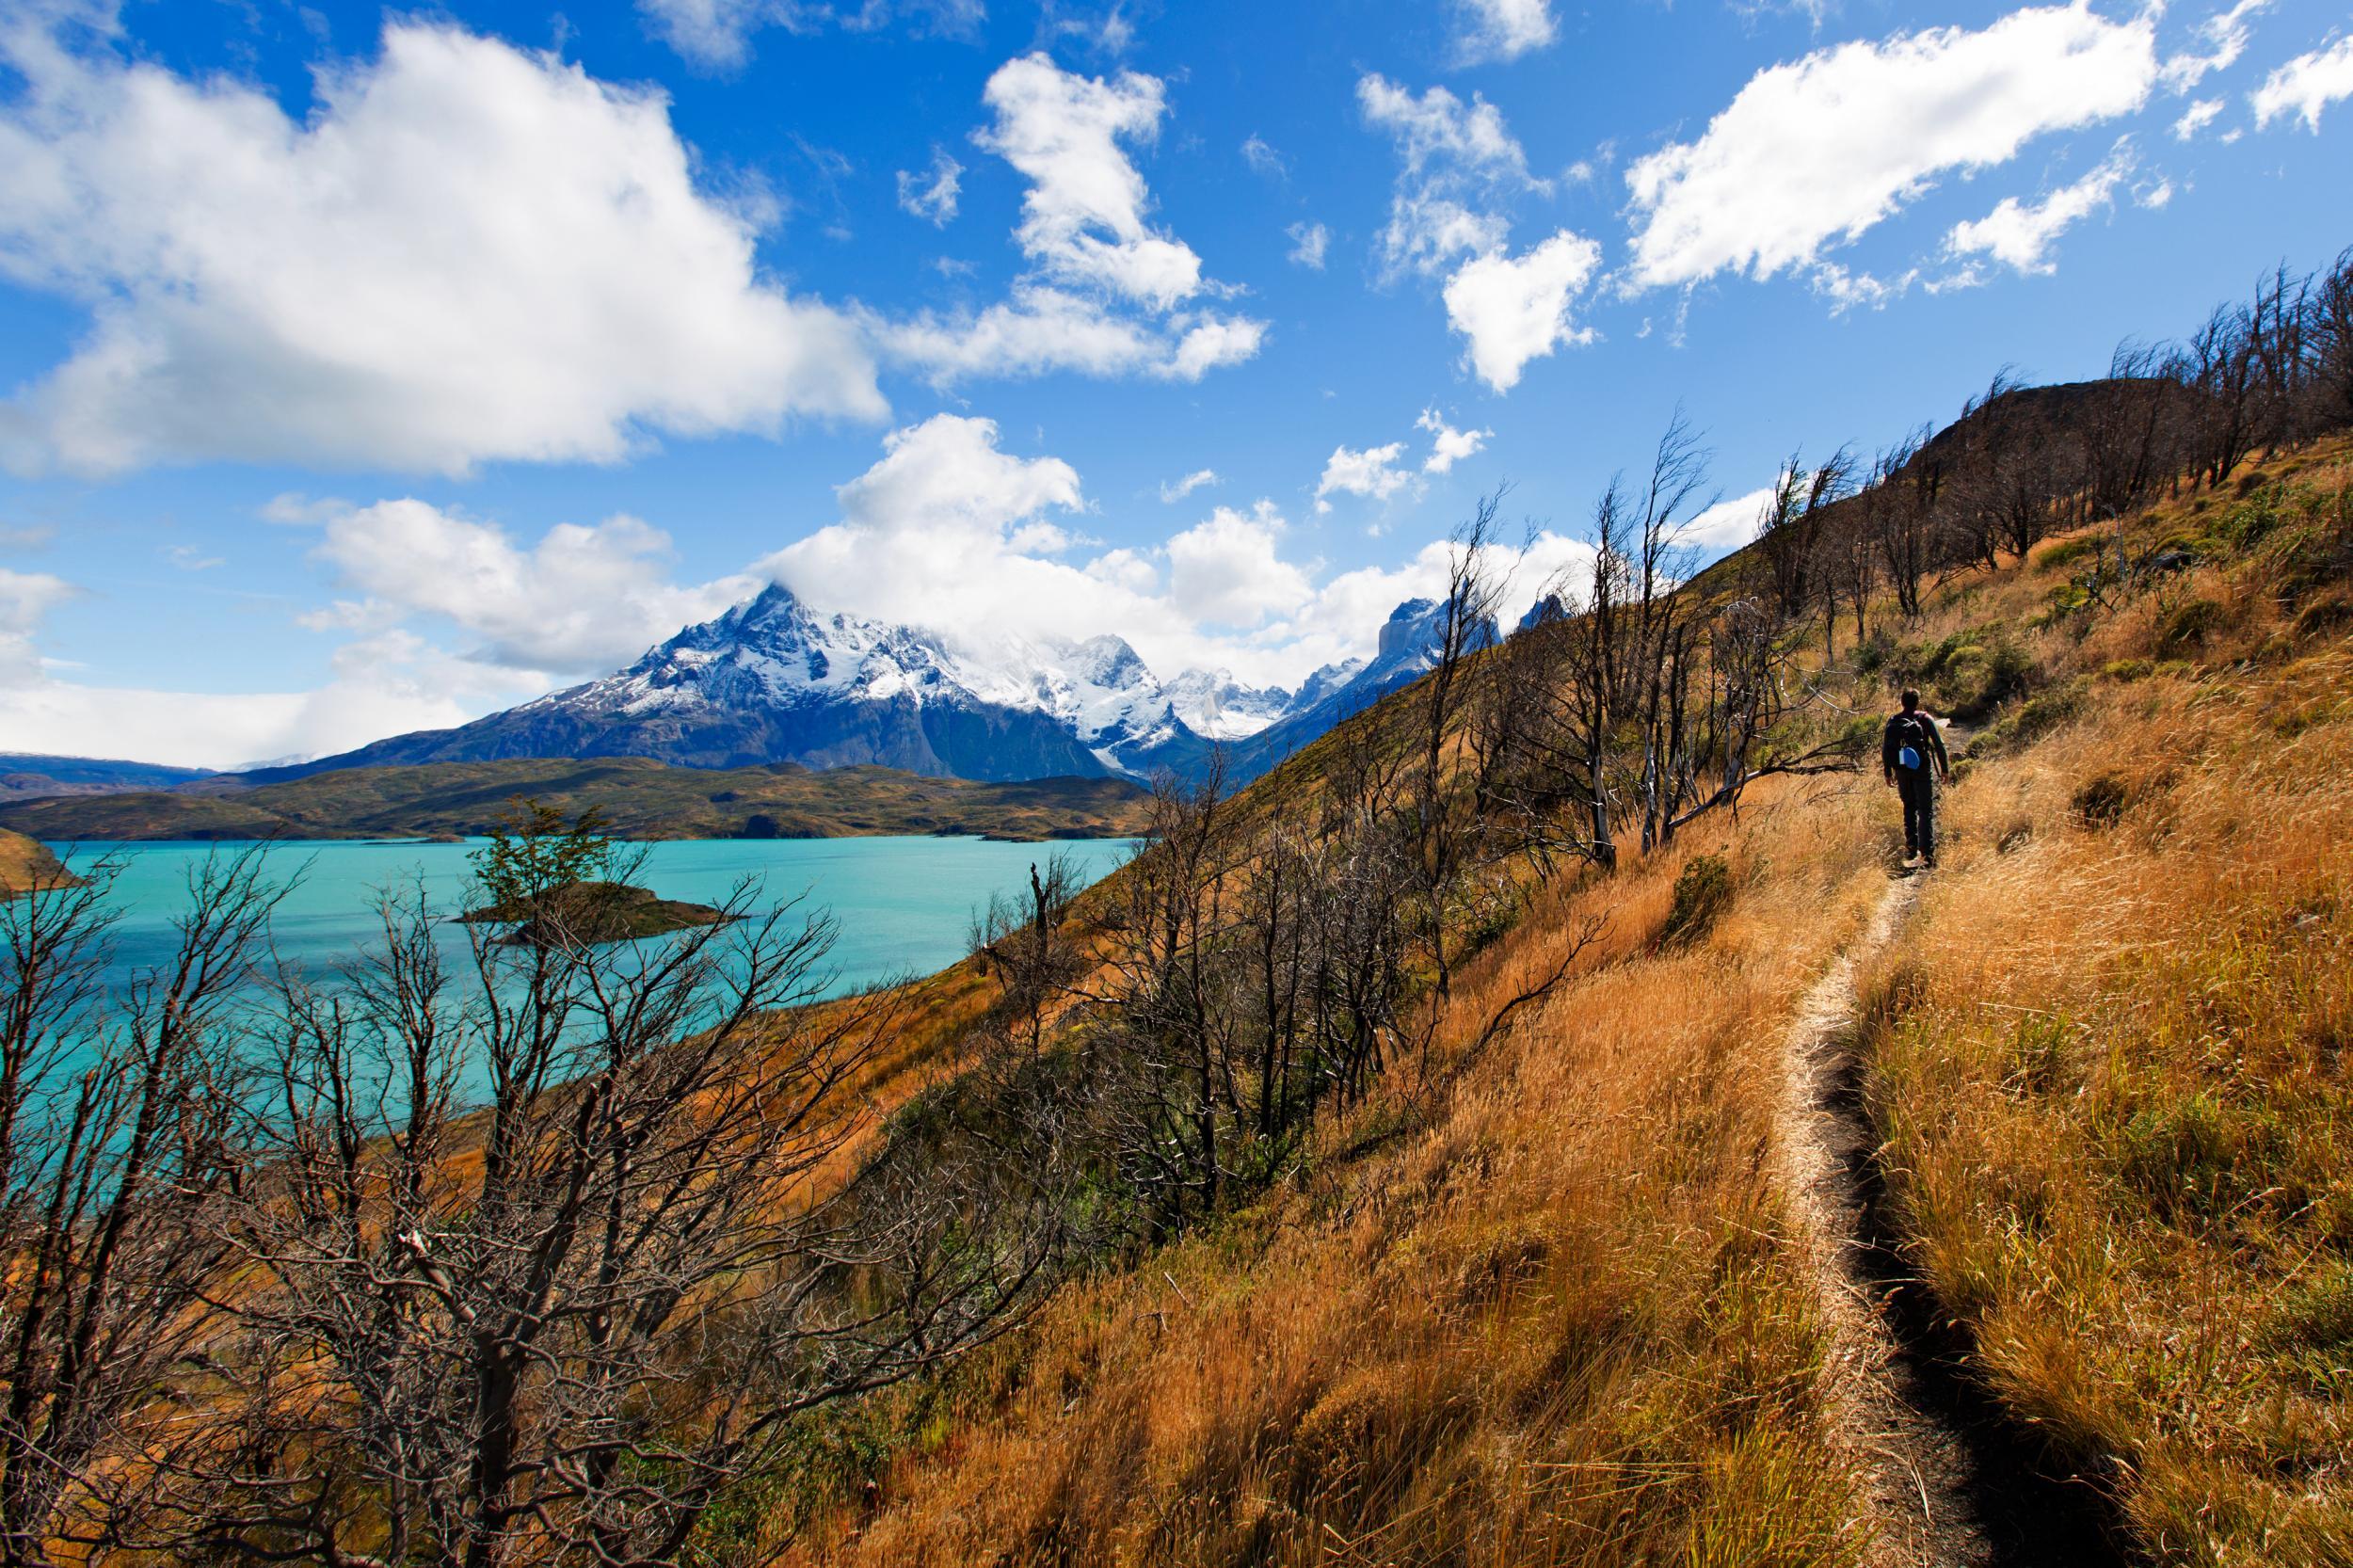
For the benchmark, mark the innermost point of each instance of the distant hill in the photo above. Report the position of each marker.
(639, 798)
(26, 775)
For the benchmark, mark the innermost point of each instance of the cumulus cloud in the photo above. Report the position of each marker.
(1458, 169)
(1371, 473)
(1174, 490)
(1309, 241)
(1107, 294)
(1815, 153)
(932, 195)
(1502, 29)
(1084, 219)
(1226, 571)
(579, 601)
(717, 34)
(2305, 86)
(467, 252)
(1514, 309)
(1448, 445)
(2019, 234)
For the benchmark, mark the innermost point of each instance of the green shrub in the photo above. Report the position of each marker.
(2190, 624)
(1703, 893)
(2038, 717)
(2101, 802)
(2068, 551)
(2177, 1155)
(2128, 669)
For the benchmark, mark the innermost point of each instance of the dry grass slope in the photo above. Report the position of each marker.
(2111, 1062)
(1536, 1306)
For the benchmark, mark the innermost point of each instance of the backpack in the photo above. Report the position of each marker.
(1912, 740)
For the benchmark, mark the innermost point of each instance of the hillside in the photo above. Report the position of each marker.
(638, 798)
(1553, 1299)
(24, 775)
(26, 865)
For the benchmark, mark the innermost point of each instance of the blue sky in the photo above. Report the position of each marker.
(372, 369)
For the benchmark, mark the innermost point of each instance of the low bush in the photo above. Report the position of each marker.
(1703, 892)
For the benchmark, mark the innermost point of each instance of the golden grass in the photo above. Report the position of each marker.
(27, 866)
(2110, 1066)
(1534, 1309)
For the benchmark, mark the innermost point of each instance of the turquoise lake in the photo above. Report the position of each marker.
(905, 904)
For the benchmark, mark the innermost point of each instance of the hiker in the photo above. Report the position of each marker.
(1911, 750)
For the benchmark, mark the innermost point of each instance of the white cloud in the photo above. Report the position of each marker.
(1105, 288)
(1459, 167)
(932, 195)
(716, 33)
(1847, 291)
(1309, 243)
(1082, 220)
(579, 602)
(1728, 525)
(466, 253)
(1263, 159)
(1818, 151)
(2200, 114)
(208, 729)
(1502, 29)
(1042, 329)
(1225, 572)
(1516, 309)
(1448, 445)
(25, 600)
(1174, 490)
(383, 684)
(1371, 473)
(2225, 35)
(2305, 86)
(2019, 234)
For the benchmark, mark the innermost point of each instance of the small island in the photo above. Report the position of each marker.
(592, 912)
(27, 867)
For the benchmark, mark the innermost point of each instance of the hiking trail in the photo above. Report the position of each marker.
(1951, 1482)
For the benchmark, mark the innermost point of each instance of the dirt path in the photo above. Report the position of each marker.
(1950, 1483)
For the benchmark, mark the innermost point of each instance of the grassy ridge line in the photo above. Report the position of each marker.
(2110, 1066)
(638, 798)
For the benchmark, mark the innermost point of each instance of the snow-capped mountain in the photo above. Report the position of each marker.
(775, 681)
(1219, 707)
(1408, 651)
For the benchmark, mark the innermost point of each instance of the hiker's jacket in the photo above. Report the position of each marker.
(1919, 731)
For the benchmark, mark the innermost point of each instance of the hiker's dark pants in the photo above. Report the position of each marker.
(1918, 787)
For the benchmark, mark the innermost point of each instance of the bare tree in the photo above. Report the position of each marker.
(553, 1327)
(117, 1139)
